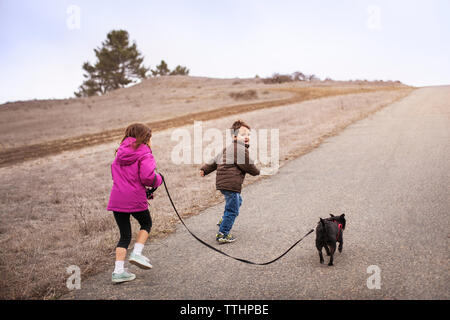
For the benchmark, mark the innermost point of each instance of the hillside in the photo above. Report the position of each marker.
(52, 126)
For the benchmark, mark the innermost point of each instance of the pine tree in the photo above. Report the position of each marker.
(161, 69)
(180, 70)
(119, 63)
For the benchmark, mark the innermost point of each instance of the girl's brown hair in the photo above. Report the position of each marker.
(140, 132)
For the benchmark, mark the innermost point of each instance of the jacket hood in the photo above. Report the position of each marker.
(127, 154)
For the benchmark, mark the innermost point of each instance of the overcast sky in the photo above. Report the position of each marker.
(44, 43)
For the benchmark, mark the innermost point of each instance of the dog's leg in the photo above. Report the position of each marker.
(332, 250)
(327, 250)
(319, 248)
(341, 244)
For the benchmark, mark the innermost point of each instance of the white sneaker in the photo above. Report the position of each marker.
(123, 276)
(140, 261)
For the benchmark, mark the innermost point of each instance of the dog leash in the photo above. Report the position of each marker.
(219, 251)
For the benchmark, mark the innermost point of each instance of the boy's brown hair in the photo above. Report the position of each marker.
(237, 125)
(140, 132)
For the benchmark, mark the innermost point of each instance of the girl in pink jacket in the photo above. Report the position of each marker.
(133, 169)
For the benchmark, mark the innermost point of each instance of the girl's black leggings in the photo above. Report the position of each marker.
(123, 221)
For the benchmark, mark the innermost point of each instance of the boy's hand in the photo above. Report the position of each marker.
(202, 173)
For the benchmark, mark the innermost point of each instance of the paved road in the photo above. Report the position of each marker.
(390, 174)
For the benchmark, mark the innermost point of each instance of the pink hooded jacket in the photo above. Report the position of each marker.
(132, 170)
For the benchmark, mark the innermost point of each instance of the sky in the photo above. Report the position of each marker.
(44, 43)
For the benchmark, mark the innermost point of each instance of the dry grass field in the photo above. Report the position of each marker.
(52, 207)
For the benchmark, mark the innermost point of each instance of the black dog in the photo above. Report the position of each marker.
(328, 232)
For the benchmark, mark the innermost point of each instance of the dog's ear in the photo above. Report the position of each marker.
(342, 215)
(332, 215)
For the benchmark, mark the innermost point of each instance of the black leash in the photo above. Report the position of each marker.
(219, 251)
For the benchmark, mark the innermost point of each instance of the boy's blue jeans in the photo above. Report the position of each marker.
(233, 202)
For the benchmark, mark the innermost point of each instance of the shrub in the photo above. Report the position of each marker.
(278, 78)
(244, 95)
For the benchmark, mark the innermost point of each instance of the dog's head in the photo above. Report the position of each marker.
(340, 219)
